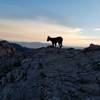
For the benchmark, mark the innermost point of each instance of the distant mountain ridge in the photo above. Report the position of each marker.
(33, 44)
(15, 46)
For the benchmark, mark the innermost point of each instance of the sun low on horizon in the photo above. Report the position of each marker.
(77, 21)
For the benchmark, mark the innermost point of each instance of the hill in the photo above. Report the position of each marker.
(51, 74)
(33, 44)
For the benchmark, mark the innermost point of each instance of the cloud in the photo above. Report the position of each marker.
(39, 29)
(81, 42)
(96, 29)
(33, 30)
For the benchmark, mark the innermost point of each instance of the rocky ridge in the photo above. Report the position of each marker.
(51, 74)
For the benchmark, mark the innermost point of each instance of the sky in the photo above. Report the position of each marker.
(77, 21)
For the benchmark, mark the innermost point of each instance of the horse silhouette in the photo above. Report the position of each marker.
(55, 40)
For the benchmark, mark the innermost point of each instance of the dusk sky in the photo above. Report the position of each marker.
(77, 21)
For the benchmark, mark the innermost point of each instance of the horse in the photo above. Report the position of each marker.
(55, 40)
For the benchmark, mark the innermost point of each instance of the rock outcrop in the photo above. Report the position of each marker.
(53, 74)
(6, 49)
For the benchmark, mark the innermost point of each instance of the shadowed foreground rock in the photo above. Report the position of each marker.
(52, 74)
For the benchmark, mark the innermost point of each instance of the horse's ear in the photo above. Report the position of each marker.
(49, 37)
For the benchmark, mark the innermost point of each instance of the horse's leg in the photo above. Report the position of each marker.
(60, 45)
(52, 44)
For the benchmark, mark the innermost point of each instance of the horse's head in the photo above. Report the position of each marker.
(48, 38)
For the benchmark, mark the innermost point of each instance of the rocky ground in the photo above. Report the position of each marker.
(50, 73)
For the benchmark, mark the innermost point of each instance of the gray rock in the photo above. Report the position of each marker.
(51, 74)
